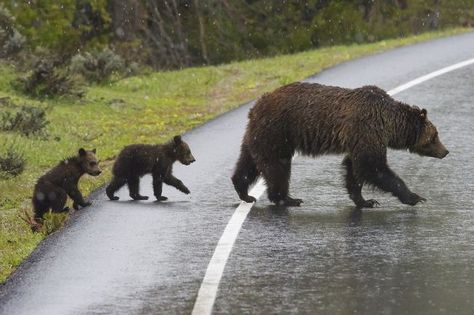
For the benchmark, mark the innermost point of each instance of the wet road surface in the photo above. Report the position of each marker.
(325, 257)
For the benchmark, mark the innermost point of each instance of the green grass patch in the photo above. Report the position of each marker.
(148, 109)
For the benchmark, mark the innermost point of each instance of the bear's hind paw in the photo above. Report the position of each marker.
(292, 202)
(249, 199)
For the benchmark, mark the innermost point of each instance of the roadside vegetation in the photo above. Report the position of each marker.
(38, 132)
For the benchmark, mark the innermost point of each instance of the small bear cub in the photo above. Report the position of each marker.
(136, 160)
(52, 188)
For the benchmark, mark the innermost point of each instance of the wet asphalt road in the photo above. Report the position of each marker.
(323, 258)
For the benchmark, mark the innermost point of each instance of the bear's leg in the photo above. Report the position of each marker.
(244, 175)
(158, 187)
(277, 177)
(115, 184)
(58, 200)
(354, 187)
(134, 188)
(40, 207)
(376, 172)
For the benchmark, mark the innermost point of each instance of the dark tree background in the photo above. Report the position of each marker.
(179, 33)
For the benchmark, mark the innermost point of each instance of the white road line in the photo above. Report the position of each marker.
(210, 284)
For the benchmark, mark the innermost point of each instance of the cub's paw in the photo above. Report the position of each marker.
(65, 209)
(161, 198)
(114, 198)
(76, 206)
(139, 197)
(185, 190)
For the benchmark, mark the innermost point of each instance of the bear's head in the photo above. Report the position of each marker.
(89, 163)
(182, 151)
(428, 143)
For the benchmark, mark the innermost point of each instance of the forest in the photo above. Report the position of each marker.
(170, 34)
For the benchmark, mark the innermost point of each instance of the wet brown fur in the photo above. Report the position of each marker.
(52, 189)
(315, 119)
(136, 160)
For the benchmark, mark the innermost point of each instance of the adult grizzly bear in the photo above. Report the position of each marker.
(314, 119)
(136, 160)
(52, 188)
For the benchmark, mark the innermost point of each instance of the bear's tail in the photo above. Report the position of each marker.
(245, 174)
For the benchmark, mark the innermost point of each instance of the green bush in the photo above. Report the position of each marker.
(11, 41)
(12, 161)
(28, 120)
(98, 67)
(47, 80)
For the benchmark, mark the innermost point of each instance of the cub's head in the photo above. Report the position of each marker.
(428, 143)
(89, 162)
(182, 151)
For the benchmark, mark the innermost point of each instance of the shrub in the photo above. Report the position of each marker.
(28, 121)
(47, 80)
(12, 161)
(11, 41)
(98, 67)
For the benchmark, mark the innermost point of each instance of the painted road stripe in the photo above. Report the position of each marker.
(210, 284)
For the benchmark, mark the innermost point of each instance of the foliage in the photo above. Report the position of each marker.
(28, 120)
(47, 80)
(11, 41)
(62, 25)
(97, 67)
(12, 160)
(180, 33)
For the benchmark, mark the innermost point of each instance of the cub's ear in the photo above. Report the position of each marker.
(82, 152)
(94, 151)
(423, 114)
(177, 139)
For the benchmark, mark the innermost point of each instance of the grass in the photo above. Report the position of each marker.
(148, 109)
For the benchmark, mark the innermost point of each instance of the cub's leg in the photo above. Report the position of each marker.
(115, 184)
(134, 188)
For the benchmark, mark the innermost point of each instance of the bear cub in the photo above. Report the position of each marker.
(136, 160)
(52, 188)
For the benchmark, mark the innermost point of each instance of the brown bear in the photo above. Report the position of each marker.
(52, 188)
(136, 160)
(315, 119)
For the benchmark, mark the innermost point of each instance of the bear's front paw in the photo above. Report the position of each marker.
(185, 190)
(371, 203)
(413, 199)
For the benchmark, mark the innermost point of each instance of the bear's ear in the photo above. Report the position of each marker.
(82, 152)
(94, 150)
(177, 139)
(423, 114)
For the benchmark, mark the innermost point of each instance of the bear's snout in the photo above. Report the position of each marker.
(446, 152)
